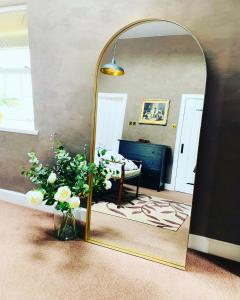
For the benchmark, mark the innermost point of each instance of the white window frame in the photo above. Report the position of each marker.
(4, 128)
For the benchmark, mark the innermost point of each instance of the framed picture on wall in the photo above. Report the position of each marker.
(154, 111)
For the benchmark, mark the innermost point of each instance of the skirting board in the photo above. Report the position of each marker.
(214, 247)
(20, 199)
(168, 186)
(196, 242)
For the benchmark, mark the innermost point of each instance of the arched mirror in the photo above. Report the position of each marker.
(149, 101)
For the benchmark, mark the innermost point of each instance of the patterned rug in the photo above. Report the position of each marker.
(150, 210)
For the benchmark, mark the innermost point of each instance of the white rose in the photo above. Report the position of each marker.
(35, 197)
(108, 184)
(52, 178)
(74, 202)
(63, 194)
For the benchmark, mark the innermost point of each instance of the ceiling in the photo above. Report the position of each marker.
(151, 29)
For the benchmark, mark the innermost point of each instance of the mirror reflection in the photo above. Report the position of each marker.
(151, 87)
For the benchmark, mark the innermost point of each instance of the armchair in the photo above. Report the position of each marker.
(126, 175)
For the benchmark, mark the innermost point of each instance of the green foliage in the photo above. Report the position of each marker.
(100, 173)
(38, 174)
(101, 152)
(71, 171)
(63, 206)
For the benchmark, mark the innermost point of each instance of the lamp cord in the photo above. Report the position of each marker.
(114, 52)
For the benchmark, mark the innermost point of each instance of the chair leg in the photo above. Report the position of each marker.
(120, 192)
(138, 183)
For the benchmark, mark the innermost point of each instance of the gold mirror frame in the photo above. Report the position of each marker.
(93, 137)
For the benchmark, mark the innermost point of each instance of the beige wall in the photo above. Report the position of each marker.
(156, 68)
(66, 39)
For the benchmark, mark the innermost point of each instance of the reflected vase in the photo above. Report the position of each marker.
(65, 226)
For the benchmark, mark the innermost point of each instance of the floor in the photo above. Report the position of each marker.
(171, 195)
(161, 243)
(35, 266)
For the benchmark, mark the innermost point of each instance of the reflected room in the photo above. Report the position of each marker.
(151, 86)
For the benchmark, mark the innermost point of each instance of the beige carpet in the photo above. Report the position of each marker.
(151, 210)
(151, 240)
(34, 266)
(171, 195)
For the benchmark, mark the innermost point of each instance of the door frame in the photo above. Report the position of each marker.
(115, 95)
(171, 186)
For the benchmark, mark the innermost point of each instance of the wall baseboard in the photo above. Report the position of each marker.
(196, 242)
(214, 247)
(20, 199)
(168, 186)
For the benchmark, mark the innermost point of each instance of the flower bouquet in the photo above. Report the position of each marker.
(64, 185)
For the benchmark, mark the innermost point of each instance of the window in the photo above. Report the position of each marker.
(16, 101)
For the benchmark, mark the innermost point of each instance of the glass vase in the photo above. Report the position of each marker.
(65, 226)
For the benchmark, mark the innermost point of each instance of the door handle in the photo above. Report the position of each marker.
(182, 147)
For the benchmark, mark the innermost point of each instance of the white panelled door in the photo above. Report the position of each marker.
(188, 143)
(110, 120)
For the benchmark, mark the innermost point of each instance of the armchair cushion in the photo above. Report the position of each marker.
(132, 173)
(116, 158)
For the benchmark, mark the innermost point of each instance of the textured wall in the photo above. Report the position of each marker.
(156, 68)
(66, 39)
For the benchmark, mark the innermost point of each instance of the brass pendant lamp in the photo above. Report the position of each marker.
(112, 68)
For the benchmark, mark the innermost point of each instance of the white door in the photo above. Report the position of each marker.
(110, 120)
(188, 143)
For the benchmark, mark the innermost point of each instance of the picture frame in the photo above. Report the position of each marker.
(154, 111)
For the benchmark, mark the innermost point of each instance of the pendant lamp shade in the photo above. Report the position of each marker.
(112, 68)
